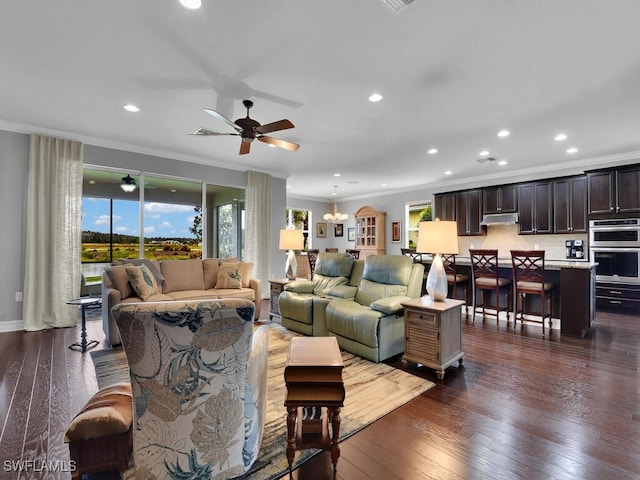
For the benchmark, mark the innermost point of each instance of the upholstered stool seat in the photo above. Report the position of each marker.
(486, 278)
(100, 436)
(528, 275)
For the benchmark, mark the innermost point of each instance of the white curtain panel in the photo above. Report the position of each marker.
(257, 243)
(54, 229)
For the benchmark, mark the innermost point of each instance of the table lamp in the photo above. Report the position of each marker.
(291, 240)
(437, 237)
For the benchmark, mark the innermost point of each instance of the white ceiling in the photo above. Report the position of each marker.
(452, 72)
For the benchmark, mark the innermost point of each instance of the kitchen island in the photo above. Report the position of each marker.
(573, 294)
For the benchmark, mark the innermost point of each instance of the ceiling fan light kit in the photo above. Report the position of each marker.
(249, 129)
(128, 184)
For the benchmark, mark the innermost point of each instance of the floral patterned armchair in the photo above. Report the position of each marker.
(198, 377)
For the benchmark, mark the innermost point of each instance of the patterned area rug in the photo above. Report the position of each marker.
(373, 390)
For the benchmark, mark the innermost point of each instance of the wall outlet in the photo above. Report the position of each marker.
(18, 296)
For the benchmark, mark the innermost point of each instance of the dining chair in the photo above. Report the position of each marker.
(312, 256)
(528, 278)
(485, 275)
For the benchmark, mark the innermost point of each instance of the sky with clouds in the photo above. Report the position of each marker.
(160, 219)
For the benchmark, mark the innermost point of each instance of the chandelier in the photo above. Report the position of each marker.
(335, 217)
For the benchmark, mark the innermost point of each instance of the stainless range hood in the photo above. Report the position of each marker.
(500, 219)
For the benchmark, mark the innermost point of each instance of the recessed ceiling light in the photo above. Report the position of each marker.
(173, 190)
(131, 108)
(504, 133)
(502, 162)
(572, 150)
(560, 137)
(375, 97)
(383, 184)
(288, 186)
(191, 4)
(336, 174)
(92, 182)
(484, 153)
(448, 172)
(432, 151)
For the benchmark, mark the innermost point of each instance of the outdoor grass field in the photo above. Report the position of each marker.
(99, 252)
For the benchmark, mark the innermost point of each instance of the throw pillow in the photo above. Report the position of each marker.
(229, 275)
(142, 281)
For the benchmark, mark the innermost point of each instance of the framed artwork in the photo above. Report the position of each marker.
(351, 234)
(337, 230)
(321, 230)
(396, 231)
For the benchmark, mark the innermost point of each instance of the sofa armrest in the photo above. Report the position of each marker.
(110, 298)
(390, 305)
(342, 291)
(256, 285)
(300, 286)
(256, 393)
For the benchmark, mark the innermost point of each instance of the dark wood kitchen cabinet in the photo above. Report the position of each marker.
(614, 192)
(570, 205)
(535, 208)
(469, 212)
(445, 206)
(502, 199)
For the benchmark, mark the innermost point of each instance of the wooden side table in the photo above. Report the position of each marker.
(315, 395)
(276, 287)
(433, 333)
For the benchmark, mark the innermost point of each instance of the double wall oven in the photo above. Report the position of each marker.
(615, 245)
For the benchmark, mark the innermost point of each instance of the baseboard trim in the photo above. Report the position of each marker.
(11, 326)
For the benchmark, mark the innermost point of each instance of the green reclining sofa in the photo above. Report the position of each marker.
(371, 324)
(303, 301)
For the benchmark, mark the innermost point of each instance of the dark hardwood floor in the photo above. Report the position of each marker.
(523, 406)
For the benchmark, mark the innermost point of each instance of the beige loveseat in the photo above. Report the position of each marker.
(195, 279)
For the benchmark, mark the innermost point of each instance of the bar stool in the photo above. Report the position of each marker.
(417, 258)
(486, 276)
(528, 277)
(454, 279)
(355, 253)
(312, 256)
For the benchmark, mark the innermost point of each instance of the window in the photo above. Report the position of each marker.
(300, 219)
(416, 213)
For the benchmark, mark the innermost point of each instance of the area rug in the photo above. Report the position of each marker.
(372, 391)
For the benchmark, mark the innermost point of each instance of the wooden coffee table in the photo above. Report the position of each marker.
(315, 395)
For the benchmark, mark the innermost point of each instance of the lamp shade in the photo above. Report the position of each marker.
(291, 239)
(439, 236)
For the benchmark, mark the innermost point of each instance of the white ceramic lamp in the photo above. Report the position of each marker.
(291, 240)
(437, 237)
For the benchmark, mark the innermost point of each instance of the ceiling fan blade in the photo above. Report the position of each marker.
(275, 126)
(204, 131)
(279, 143)
(221, 117)
(244, 147)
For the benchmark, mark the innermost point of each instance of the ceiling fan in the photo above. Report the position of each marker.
(249, 129)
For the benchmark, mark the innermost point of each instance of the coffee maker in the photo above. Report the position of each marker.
(574, 249)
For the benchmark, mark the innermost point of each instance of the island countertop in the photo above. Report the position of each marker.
(549, 264)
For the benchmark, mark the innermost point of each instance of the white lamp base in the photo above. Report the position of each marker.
(437, 286)
(291, 267)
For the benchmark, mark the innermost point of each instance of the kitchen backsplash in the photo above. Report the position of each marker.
(506, 238)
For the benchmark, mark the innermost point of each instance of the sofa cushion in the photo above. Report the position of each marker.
(119, 279)
(354, 321)
(182, 275)
(321, 283)
(334, 265)
(298, 306)
(227, 293)
(142, 281)
(301, 285)
(153, 265)
(229, 275)
(390, 305)
(108, 412)
(193, 295)
(390, 269)
(210, 266)
(369, 291)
